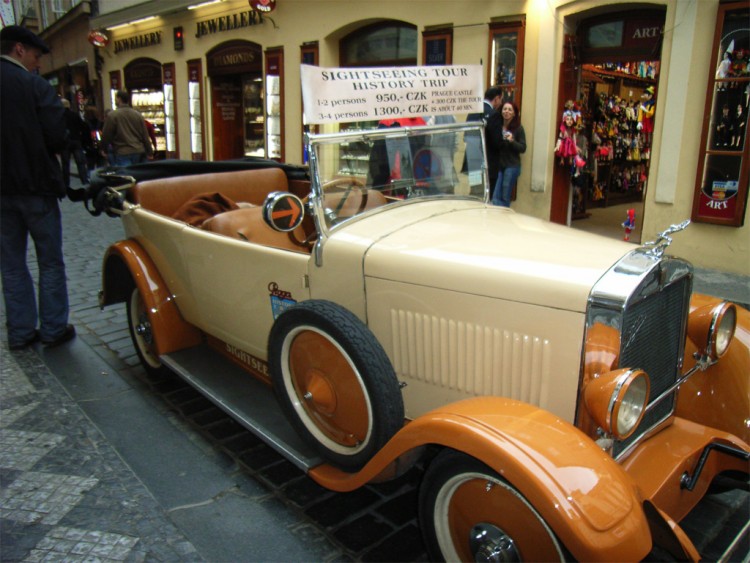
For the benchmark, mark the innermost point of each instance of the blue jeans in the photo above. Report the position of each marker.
(38, 216)
(506, 180)
(128, 159)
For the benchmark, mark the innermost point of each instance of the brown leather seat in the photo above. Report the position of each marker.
(248, 224)
(166, 195)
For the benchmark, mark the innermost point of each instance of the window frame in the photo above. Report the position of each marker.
(434, 36)
(707, 208)
(496, 29)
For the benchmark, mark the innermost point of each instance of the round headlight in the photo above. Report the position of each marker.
(617, 400)
(711, 327)
(629, 409)
(722, 329)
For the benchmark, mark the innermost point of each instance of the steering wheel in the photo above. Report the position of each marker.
(308, 226)
(307, 243)
(350, 182)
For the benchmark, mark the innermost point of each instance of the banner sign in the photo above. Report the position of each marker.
(339, 95)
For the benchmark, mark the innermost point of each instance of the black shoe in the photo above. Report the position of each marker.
(69, 334)
(26, 344)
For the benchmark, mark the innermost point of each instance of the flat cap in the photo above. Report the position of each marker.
(23, 35)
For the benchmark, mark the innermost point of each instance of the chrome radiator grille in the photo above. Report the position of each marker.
(652, 339)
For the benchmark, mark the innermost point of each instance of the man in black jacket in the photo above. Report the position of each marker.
(493, 97)
(33, 131)
(79, 135)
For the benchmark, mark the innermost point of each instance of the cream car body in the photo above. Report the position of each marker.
(409, 315)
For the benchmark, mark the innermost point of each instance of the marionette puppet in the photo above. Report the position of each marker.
(646, 112)
(722, 71)
(629, 223)
(723, 128)
(566, 148)
(738, 127)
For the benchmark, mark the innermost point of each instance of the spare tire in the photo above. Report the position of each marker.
(335, 382)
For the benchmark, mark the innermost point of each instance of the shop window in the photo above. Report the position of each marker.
(170, 121)
(382, 44)
(722, 178)
(195, 90)
(115, 84)
(437, 47)
(506, 58)
(275, 103)
(254, 125)
(309, 55)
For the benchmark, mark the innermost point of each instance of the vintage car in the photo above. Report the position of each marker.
(568, 394)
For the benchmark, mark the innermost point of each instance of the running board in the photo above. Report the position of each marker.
(730, 553)
(244, 398)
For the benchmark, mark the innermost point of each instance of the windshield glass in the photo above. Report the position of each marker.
(366, 170)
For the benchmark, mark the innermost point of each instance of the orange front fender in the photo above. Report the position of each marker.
(584, 495)
(127, 263)
(720, 396)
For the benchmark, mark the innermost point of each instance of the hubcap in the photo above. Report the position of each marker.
(320, 392)
(143, 329)
(490, 544)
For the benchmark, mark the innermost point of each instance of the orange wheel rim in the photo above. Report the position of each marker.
(478, 500)
(329, 388)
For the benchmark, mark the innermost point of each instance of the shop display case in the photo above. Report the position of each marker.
(619, 143)
(273, 110)
(274, 103)
(150, 104)
(169, 119)
(355, 160)
(254, 119)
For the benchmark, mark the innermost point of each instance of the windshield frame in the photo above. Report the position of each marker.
(325, 224)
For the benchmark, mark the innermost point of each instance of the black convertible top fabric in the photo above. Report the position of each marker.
(170, 168)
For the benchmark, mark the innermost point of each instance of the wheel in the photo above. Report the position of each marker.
(352, 185)
(467, 512)
(335, 382)
(143, 338)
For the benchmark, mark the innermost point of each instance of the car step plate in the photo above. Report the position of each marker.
(244, 398)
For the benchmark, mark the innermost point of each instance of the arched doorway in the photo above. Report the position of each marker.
(609, 81)
(143, 79)
(386, 43)
(235, 70)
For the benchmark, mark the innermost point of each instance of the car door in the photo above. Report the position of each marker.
(240, 287)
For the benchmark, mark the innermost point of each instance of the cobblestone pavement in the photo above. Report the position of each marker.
(65, 493)
(75, 484)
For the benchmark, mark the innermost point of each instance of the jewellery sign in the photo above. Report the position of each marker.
(339, 95)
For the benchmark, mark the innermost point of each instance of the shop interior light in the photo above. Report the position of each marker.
(126, 24)
(118, 26)
(202, 4)
(142, 20)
